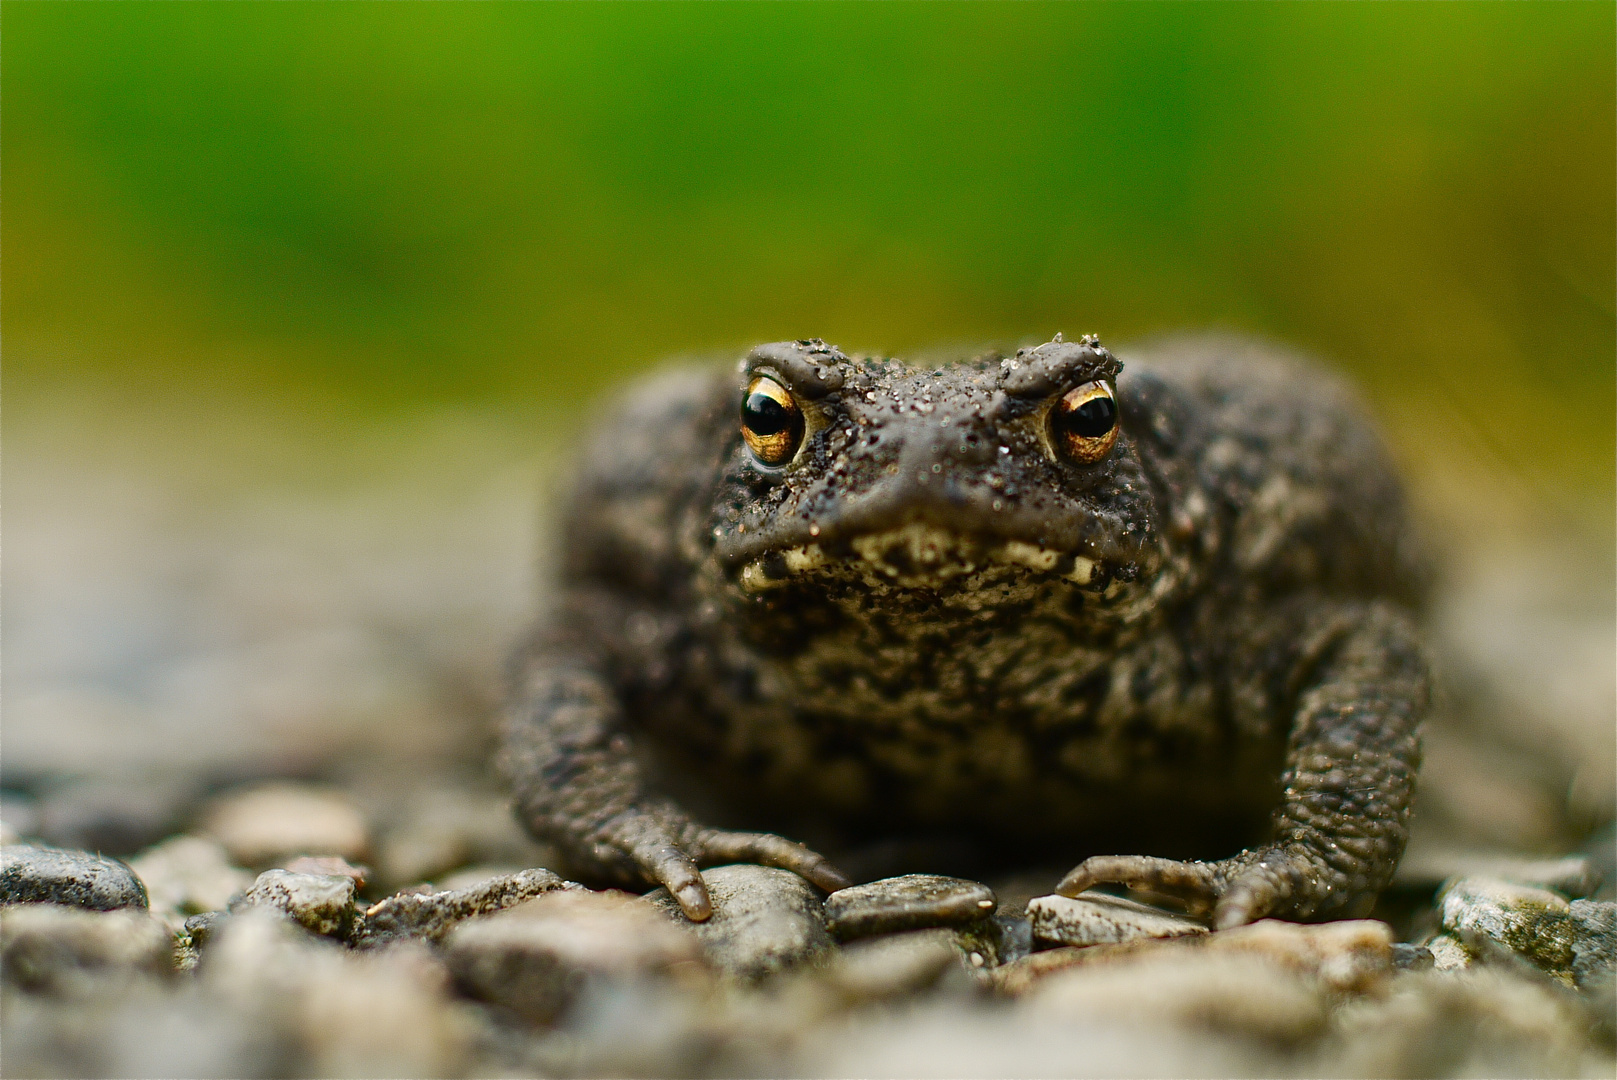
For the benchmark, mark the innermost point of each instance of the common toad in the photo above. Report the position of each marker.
(1030, 597)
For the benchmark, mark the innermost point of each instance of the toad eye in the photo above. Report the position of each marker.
(771, 422)
(1083, 424)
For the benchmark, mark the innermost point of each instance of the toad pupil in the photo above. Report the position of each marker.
(1091, 420)
(763, 415)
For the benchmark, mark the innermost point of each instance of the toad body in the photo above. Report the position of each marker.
(1038, 600)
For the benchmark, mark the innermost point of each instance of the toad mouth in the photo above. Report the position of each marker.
(915, 554)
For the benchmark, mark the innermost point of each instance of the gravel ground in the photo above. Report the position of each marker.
(255, 664)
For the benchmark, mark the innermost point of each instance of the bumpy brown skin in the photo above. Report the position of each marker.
(932, 618)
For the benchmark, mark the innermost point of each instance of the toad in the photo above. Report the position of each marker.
(1064, 605)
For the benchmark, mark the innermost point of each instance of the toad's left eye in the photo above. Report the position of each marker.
(1083, 424)
(771, 422)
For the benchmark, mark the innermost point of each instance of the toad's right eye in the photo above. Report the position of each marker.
(1084, 422)
(771, 422)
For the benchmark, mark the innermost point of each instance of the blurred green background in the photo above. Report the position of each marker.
(406, 205)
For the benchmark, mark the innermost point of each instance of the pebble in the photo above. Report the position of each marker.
(200, 929)
(277, 822)
(1351, 955)
(764, 920)
(118, 816)
(137, 1028)
(1449, 953)
(187, 875)
(1485, 1021)
(1348, 956)
(438, 830)
(329, 1011)
(32, 873)
(433, 915)
(1533, 923)
(1013, 937)
(537, 958)
(1224, 992)
(1097, 918)
(321, 903)
(257, 950)
(952, 1037)
(469, 876)
(1569, 875)
(330, 865)
(19, 817)
(388, 1013)
(910, 902)
(881, 968)
(1407, 957)
(1594, 946)
(56, 949)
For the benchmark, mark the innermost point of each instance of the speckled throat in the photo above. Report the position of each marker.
(989, 675)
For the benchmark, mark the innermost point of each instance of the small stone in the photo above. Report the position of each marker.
(1013, 937)
(51, 948)
(33, 874)
(187, 875)
(910, 902)
(321, 903)
(330, 866)
(1017, 977)
(19, 818)
(474, 875)
(133, 1027)
(1407, 957)
(118, 816)
(202, 928)
(334, 1011)
(1594, 942)
(887, 967)
(1449, 953)
(278, 822)
(387, 1013)
(438, 830)
(1534, 923)
(538, 957)
(1177, 987)
(431, 915)
(764, 920)
(1485, 1021)
(255, 953)
(417, 854)
(1097, 918)
(1569, 875)
(1350, 955)
(951, 1036)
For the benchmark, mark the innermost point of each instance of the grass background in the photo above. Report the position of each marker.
(414, 206)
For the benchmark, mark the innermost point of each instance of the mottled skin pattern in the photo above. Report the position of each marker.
(929, 618)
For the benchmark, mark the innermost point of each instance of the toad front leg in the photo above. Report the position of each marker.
(569, 760)
(1360, 686)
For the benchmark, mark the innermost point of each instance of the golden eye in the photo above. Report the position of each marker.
(1083, 424)
(771, 422)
